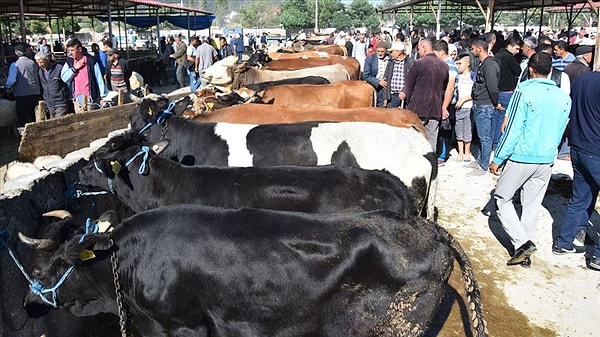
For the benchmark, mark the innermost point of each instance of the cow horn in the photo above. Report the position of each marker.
(36, 243)
(61, 214)
(135, 99)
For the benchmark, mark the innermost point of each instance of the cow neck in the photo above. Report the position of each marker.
(161, 119)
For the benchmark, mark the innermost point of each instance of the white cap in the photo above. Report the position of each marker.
(397, 45)
(451, 48)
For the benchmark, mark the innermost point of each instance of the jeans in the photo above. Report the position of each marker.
(498, 116)
(394, 101)
(586, 184)
(181, 73)
(193, 76)
(482, 115)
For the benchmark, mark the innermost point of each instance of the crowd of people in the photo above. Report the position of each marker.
(81, 83)
(516, 96)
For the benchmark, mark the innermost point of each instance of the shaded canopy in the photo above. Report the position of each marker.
(192, 22)
(92, 8)
(497, 4)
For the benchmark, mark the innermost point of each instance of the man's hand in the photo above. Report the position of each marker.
(402, 95)
(494, 168)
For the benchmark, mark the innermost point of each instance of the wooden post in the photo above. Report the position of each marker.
(121, 97)
(41, 111)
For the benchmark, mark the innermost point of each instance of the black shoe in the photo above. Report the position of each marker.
(594, 263)
(522, 253)
(526, 263)
(562, 251)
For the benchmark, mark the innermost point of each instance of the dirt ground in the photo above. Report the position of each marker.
(558, 296)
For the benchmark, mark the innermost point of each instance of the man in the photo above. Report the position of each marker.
(563, 56)
(180, 58)
(585, 159)
(509, 74)
(168, 61)
(23, 78)
(238, 47)
(82, 73)
(224, 49)
(205, 56)
(582, 63)
(191, 61)
(485, 101)
(374, 71)
(528, 49)
(395, 75)
(441, 49)
(55, 92)
(359, 50)
(526, 151)
(117, 71)
(425, 85)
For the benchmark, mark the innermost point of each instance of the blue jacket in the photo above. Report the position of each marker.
(585, 113)
(537, 117)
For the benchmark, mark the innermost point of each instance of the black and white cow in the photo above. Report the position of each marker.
(145, 180)
(189, 270)
(403, 152)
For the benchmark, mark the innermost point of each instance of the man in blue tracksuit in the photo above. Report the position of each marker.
(527, 150)
(585, 158)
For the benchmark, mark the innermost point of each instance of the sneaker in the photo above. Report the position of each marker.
(459, 158)
(595, 263)
(467, 158)
(579, 241)
(476, 172)
(562, 251)
(472, 165)
(441, 162)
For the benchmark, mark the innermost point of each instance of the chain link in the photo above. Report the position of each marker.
(119, 294)
(164, 130)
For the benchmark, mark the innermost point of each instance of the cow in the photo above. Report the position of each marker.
(303, 54)
(344, 95)
(235, 77)
(260, 86)
(191, 270)
(143, 182)
(332, 49)
(264, 61)
(403, 152)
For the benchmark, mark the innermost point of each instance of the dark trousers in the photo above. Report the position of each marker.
(25, 106)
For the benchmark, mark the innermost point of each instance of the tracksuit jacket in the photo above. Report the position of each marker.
(537, 117)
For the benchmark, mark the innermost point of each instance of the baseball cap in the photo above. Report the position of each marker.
(112, 51)
(397, 45)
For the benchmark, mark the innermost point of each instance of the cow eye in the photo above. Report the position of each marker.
(37, 273)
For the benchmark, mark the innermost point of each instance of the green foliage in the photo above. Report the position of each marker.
(361, 13)
(296, 14)
(258, 13)
(342, 21)
(328, 10)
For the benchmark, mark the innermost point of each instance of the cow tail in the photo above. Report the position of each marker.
(471, 286)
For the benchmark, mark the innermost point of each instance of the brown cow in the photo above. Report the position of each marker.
(350, 63)
(344, 94)
(269, 114)
(302, 54)
(332, 49)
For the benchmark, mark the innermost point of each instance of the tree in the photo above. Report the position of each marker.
(258, 13)
(363, 14)
(328, 11)
(296, 14)
(221, 10)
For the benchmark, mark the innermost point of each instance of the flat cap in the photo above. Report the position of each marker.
(583, 50)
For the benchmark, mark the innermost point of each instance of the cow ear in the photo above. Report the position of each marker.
(160, 146)
(181, 105)
(84, 251)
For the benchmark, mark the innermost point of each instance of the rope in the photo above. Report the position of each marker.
(35, 285)
(161, 118)
(145, 152)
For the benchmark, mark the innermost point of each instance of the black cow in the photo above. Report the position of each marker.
(163, 182)
(189, 270)
(401, 151)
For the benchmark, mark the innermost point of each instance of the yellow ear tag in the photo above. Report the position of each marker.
(210, 105)
(86, 255)
(116, 167)
(149, 112)
(104, 226)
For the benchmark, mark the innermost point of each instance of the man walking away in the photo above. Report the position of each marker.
(585, 159)
(527, 150)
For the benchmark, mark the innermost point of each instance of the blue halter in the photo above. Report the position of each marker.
(161, 118)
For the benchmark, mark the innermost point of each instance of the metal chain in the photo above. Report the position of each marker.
(119, 294)
(164, 130)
